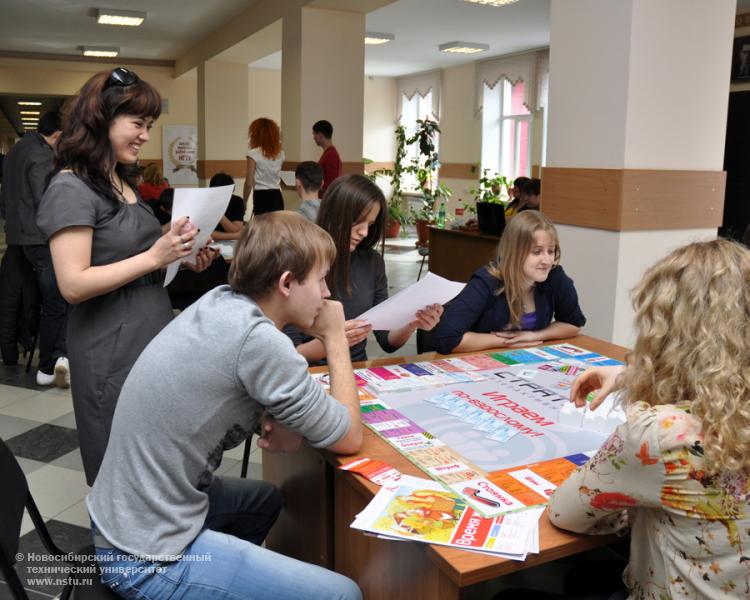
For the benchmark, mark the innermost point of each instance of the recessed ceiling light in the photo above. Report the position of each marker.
(28, 103)
(463, 47)
(492, 2)
(100, 52)
(375, 39)
(29, 112)
(128, 18)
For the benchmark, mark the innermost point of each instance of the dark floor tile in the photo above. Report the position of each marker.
(44, 443)
(32, 594)
(67, 537)
(18, 376)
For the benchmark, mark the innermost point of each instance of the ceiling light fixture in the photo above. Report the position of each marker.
(492, 2)
(100, 52)
(29, 112)
(28, 103)
(375, 39)
(463, 47)
(127, 18)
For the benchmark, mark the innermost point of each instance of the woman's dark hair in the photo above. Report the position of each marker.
(533, 187)
(84, 145)
(221, 179)
(347, 200)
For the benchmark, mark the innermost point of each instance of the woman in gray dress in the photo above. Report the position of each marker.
(107, 247)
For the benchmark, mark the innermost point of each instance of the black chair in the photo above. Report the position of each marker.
(84, 585)
(246, 456)
(424, 252)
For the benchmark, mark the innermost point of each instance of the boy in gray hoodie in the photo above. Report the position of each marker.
(164, 524)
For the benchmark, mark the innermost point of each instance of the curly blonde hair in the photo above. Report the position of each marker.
(152, 174)
(512, 251)
(693, 345)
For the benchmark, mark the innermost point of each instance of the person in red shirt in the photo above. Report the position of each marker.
(329, 161)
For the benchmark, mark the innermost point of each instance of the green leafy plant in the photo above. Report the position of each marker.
(423, 167)
(492, 189)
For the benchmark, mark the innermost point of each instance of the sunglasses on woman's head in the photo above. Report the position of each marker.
(121, 77)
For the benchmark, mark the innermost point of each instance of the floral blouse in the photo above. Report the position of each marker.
(690, 533)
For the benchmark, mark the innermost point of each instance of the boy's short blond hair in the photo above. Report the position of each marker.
(273, 243)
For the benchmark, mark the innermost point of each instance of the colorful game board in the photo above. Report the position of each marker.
(487, 426)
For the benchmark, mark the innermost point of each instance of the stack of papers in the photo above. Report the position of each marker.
(422, 510)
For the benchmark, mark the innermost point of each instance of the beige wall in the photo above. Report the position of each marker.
(264, 94)
(62, 78)
(226, 99)
(378, 139)
(460, 129)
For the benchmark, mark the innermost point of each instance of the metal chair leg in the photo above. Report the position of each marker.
(246, 457)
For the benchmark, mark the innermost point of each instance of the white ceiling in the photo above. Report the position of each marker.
(421, 25)
(61, 26)
(173, 26)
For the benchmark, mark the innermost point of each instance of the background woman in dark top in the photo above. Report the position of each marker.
(353, 212)
(512, 301)
(107, 247)
(233, 222)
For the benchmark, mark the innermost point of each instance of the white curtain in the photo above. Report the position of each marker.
(530, 67)
(422, 84)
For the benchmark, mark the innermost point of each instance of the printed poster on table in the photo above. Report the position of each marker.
(180, 152)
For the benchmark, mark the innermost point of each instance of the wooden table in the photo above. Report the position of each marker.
(456, 254)
(321, 503)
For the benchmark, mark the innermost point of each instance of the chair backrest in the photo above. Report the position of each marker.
(12, 504)
(12, 501)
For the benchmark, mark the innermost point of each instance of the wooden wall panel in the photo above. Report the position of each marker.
(459, 171)
(584, 197)
(633, 199)
(208, 168)
(672, 199)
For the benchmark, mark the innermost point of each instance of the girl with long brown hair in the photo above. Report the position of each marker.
(107, 247)
(677, 472)
(353, 212)
(264, 160)
(513, 301)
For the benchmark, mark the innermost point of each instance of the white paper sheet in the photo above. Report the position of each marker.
(287, 177)
(400, 309)
(205, 207)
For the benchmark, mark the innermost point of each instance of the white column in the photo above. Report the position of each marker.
(634, 84)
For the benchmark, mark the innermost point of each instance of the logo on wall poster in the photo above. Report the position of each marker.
(181, 154)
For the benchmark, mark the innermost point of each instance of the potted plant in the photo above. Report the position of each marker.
(490, 197)
(423, 167)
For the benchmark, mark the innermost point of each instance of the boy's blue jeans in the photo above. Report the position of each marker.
(225, 561)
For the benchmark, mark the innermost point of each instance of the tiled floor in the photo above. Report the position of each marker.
(38, 425)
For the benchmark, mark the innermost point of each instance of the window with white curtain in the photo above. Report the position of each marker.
(506, 130)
